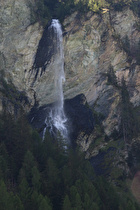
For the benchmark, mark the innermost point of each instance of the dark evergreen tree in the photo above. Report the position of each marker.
(48, 176)
(36, 184)
(44, 205)
(25, 193)
(66, 203)
(78, 202)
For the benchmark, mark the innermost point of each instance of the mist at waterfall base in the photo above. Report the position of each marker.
(56, 121)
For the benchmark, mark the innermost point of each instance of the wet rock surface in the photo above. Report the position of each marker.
(79, 117)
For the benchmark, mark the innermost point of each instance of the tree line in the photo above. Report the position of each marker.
(37, 175)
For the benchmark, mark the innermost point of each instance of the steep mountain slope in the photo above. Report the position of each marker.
(93, 44)
(102, 53)
(19, 39)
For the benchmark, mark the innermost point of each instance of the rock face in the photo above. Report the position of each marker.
(100, 50)
(19, 39)
(79, 117)
(93, 44)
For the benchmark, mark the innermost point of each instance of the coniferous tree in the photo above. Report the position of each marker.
(17, 204)
(36, 179)
(78, 202)
(44, 205)
(25, 193)
(66, 203)
(9, 201)
(73, 192)
(4, 197)
(26, 170)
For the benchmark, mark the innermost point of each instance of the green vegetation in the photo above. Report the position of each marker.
(48, 9)
(36, 174)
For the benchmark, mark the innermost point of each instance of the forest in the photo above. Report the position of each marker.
(38, 174)
(42, 175)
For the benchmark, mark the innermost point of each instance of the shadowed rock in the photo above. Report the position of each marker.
(79, 116)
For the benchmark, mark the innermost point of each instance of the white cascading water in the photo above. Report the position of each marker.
(57, 118)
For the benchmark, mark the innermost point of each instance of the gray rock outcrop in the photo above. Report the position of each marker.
(19, 38)
(92, 44)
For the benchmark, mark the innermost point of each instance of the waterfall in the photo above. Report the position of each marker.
(56, 121)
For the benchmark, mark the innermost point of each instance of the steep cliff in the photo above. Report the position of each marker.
(93, 44)
(101, 50)
(19, 38)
